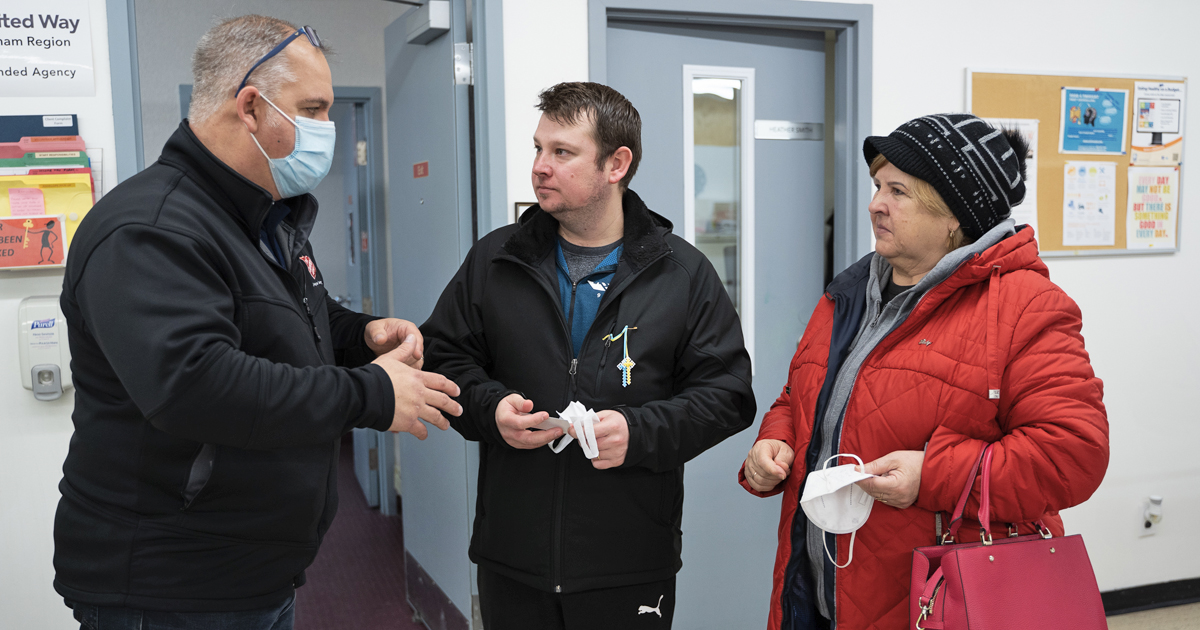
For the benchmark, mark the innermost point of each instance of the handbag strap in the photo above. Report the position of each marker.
(925, 602)
(984, 467)
(985, 509)
(956, 520)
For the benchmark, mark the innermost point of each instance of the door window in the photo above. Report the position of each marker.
(719, 178)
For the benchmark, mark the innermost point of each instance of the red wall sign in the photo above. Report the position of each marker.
(421, 169)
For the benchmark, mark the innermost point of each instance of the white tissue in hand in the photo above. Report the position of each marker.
(582, 419)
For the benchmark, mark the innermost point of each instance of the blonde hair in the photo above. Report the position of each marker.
(928, 198)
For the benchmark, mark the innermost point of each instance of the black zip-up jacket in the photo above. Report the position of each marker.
(208, 409)
(553, 521)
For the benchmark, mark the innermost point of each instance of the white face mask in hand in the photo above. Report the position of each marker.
(582, 419)
(834, 503)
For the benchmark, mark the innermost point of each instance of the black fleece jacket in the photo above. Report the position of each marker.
(208, 409)
(553, 521)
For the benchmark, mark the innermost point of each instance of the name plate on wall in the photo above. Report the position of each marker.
(788, 130)
(46, 48)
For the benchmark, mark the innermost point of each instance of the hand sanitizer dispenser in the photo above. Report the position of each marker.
(42, 345)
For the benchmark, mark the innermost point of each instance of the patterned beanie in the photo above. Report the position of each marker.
(977, 169)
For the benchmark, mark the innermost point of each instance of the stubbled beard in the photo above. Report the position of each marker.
(593, 204)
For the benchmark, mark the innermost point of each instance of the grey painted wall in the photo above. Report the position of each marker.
(167, 32)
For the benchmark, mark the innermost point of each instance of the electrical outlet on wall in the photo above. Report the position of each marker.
(1152, 514)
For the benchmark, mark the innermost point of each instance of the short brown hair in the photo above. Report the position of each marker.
(615, 122)
(928, 198)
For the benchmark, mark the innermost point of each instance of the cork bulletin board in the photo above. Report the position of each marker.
(1012, 95)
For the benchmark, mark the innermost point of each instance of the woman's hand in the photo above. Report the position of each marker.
(769, 462)
(899, 478)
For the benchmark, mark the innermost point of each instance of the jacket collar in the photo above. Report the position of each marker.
(644, 238)
(850, 280)
(1011, 253)
(247, 202)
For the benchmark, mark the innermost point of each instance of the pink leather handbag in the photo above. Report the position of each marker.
(1032, 581)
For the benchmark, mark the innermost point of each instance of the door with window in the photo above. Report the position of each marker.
(733, 154)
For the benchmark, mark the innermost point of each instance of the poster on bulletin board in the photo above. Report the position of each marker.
(1153, 198)
(1093, 121)
(1158, 110)
(1108, 160)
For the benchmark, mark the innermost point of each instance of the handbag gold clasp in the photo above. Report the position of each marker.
(985, 536)
(927, 609)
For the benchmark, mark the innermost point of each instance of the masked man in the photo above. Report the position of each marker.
(209, 409)
(590, 298)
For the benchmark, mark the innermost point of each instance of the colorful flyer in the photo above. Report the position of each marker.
(1024, 213)
(1158, 111)
(1152, 214)
(1089, 203)
(31, 242)
(1093, 121)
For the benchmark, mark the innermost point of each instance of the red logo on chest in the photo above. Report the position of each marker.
(312, 269)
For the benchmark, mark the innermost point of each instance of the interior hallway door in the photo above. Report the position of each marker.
(429, 233)
(729, 535)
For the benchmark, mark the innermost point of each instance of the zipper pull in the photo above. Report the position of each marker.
(308, 311)
(574, 362)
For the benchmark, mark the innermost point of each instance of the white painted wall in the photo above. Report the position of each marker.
(545, 42)
(1137, 310)
(34, 435)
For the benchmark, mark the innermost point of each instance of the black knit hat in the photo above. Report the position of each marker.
(977, 169)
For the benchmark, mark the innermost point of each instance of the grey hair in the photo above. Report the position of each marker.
(227, 51)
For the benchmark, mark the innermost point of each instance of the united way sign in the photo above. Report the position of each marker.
(46, 48)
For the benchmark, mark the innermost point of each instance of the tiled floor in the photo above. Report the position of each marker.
(1185, 617)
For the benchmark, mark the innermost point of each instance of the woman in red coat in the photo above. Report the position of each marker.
(948, 337)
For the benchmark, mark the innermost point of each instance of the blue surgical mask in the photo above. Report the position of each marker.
(309, 162)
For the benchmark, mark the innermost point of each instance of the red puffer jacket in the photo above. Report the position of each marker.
(997, 323)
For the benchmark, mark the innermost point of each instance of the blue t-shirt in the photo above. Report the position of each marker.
(589, 290)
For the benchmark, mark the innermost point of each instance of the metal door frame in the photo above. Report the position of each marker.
(126, 88)
(851, 25)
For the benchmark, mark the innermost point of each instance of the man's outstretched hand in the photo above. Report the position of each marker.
(385, 335)
(419, 395)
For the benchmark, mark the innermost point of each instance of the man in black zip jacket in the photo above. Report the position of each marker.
(592, 299)
(202, 474)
